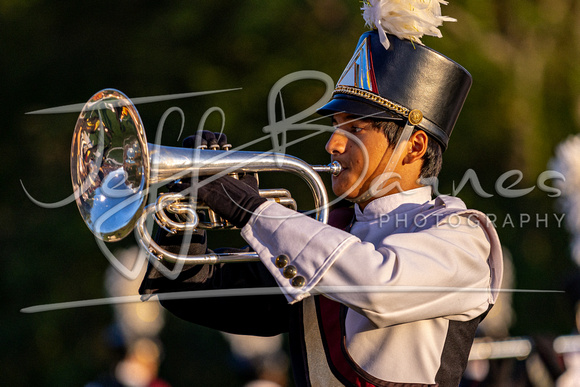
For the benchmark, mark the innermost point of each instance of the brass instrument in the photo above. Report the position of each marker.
(113, 168)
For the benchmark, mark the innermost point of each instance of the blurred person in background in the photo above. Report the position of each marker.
(134, 332)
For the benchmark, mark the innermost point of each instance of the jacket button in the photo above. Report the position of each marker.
(281, 261)
(298, 281)
(289, 272)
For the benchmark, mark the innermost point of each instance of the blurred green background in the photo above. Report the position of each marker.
(522, 54)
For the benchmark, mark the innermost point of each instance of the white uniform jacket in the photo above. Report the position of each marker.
(401, 293)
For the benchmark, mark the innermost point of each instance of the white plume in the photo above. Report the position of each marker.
(567, 162)
(406, 19)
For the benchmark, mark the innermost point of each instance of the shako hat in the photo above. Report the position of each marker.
(398, 78)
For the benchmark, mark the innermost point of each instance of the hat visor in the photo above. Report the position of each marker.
(342, 103)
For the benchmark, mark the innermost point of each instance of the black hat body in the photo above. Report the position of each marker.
(391, 83)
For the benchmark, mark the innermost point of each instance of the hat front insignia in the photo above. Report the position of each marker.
(359, 72)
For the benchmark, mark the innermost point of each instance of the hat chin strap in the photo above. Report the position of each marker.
(375, 190)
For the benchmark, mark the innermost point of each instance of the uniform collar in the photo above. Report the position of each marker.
(390, 203)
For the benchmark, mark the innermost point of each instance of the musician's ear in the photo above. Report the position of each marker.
(416, 147)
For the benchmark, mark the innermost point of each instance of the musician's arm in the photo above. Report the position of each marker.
(261, 314)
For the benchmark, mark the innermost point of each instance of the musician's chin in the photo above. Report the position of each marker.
(343, 184)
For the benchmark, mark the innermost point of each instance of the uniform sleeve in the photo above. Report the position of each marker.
(434, 272)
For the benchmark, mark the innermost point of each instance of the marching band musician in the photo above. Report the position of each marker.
(391, 293)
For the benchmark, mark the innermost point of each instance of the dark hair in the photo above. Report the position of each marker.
(433, 157)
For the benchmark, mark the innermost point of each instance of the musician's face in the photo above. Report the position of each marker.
(362, 151)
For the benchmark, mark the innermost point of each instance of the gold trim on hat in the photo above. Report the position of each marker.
(372, 97)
